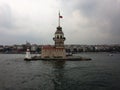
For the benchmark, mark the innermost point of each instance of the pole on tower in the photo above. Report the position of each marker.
(59, 19)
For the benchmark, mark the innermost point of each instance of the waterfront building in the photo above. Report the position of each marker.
(1, 48)
(34, 48)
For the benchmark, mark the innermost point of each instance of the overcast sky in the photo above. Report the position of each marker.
(83, 22)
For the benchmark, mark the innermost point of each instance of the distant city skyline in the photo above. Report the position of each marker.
(88, 22)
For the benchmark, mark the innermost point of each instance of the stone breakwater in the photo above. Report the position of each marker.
(68, 58)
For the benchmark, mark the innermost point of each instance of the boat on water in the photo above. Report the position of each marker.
(110, 55)
(69, 54)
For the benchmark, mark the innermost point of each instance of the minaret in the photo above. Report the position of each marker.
(59, 35)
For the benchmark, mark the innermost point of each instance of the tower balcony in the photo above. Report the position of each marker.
(62, 38)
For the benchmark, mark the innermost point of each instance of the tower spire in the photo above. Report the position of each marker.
(59, 18)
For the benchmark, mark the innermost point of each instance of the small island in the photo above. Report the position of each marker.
(56, 51)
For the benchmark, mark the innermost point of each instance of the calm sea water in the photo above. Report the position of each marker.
(102, 73)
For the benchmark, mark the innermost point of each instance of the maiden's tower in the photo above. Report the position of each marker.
(57, 50)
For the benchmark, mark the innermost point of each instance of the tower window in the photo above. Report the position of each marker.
(61, 37)
(57, 37)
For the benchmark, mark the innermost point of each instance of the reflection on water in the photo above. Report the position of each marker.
(102, 73)
(57, 73)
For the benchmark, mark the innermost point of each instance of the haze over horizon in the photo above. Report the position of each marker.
(84, 21)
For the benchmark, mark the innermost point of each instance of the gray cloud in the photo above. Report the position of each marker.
(5, 16)
(102, 21)
(84, 21)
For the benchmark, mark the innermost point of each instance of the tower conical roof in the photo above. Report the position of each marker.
(59, 30)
